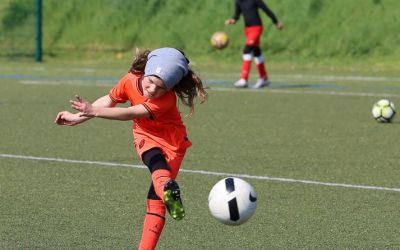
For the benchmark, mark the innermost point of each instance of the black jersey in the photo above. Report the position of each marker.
(249, 8)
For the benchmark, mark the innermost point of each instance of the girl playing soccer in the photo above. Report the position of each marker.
(152, 86)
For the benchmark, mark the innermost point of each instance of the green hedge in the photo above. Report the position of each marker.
(314, 29)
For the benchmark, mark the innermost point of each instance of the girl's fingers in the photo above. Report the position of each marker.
(59, 118)
(80, 99)
(76, 105)
(73, 103)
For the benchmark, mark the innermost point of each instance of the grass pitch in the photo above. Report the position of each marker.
(318, 161)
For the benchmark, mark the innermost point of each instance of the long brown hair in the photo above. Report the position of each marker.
(187, 89)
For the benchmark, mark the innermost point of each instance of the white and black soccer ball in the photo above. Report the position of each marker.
(232, 201)
(383, 110)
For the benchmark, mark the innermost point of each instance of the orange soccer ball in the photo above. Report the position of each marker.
(219, 40)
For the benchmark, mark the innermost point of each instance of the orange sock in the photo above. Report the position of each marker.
(159, 178)
(153, 224)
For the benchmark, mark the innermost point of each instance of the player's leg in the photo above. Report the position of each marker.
(246, 57)
(262, 72)
(246, 66)
(164, 193)
(154, 221)
(259, 60)
(163, 176)
(262, 81)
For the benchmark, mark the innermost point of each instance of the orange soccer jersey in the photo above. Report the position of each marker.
(164, 129)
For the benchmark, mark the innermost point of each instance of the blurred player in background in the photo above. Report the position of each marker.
(253, 30)
(152, 86)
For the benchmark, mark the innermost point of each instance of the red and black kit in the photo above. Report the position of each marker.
(253, 30)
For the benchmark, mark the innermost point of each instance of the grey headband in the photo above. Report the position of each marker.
(169, 64)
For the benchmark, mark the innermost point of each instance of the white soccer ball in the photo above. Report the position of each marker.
(383, 110)
(232, 201)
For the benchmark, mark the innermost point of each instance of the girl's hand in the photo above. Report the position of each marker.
(68, 119)
(84, 107)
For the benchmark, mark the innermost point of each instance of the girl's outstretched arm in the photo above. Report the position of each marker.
(123, 114)
(104, 101)
(69, 119)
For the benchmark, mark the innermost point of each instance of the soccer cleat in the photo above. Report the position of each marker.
(172, 200)
(242, 83)
(261, 83)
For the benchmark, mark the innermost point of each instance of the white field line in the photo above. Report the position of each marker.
(307, 92)
(202, 172)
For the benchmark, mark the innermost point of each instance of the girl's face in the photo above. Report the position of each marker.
(153, 87)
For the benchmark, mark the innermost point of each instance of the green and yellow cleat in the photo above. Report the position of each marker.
(172, 200)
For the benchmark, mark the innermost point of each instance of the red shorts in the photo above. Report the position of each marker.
(173, 158)
(253, 34)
